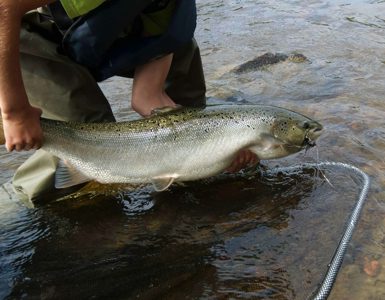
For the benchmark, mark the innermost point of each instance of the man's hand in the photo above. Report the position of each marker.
(22, 130)
(245, 158)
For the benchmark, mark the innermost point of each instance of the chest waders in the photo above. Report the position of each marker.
(66, 89)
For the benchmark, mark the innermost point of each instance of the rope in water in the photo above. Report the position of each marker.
(330, 277)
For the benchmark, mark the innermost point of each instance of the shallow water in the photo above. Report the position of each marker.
(248, 236)
(240, 237)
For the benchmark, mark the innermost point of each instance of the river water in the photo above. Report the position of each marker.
(244, 236)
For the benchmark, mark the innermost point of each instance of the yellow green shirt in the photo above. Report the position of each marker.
(76, 8)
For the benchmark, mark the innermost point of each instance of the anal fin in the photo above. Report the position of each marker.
(162, 183)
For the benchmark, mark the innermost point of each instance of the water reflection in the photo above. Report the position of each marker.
(232, 236)
(20, 229)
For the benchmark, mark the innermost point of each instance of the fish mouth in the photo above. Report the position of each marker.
(311, 135)
(308, 141)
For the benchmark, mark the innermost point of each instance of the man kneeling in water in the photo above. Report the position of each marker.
(67, 46)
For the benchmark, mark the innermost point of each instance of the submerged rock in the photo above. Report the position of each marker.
(371, 267)
(268, 59)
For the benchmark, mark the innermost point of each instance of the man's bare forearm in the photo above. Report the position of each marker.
(12, 93)
(21, 121)
(13, 97)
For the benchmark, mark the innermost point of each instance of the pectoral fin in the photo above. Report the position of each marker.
(162, 183)
(67, 175)
(266, 143)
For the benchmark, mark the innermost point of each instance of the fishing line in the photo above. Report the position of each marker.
(319, 171)
(335, 264)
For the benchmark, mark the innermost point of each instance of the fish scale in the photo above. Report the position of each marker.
(181, 145)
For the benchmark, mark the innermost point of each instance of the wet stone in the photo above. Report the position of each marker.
(371, 267)
(267, 59)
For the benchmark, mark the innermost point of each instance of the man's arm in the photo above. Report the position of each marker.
(21, 121)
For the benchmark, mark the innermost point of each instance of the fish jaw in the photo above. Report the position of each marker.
(314, 132)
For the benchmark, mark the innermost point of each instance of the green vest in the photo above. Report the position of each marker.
(76, 8)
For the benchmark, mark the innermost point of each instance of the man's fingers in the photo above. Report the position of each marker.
(248, 157)
(244, 159)
(35, 146)
(233, 167)
(19, 147)
(22, 147)
(10, 148)
(253, 160)
(32, 144)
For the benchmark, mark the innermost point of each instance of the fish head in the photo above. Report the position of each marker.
(295, 132)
